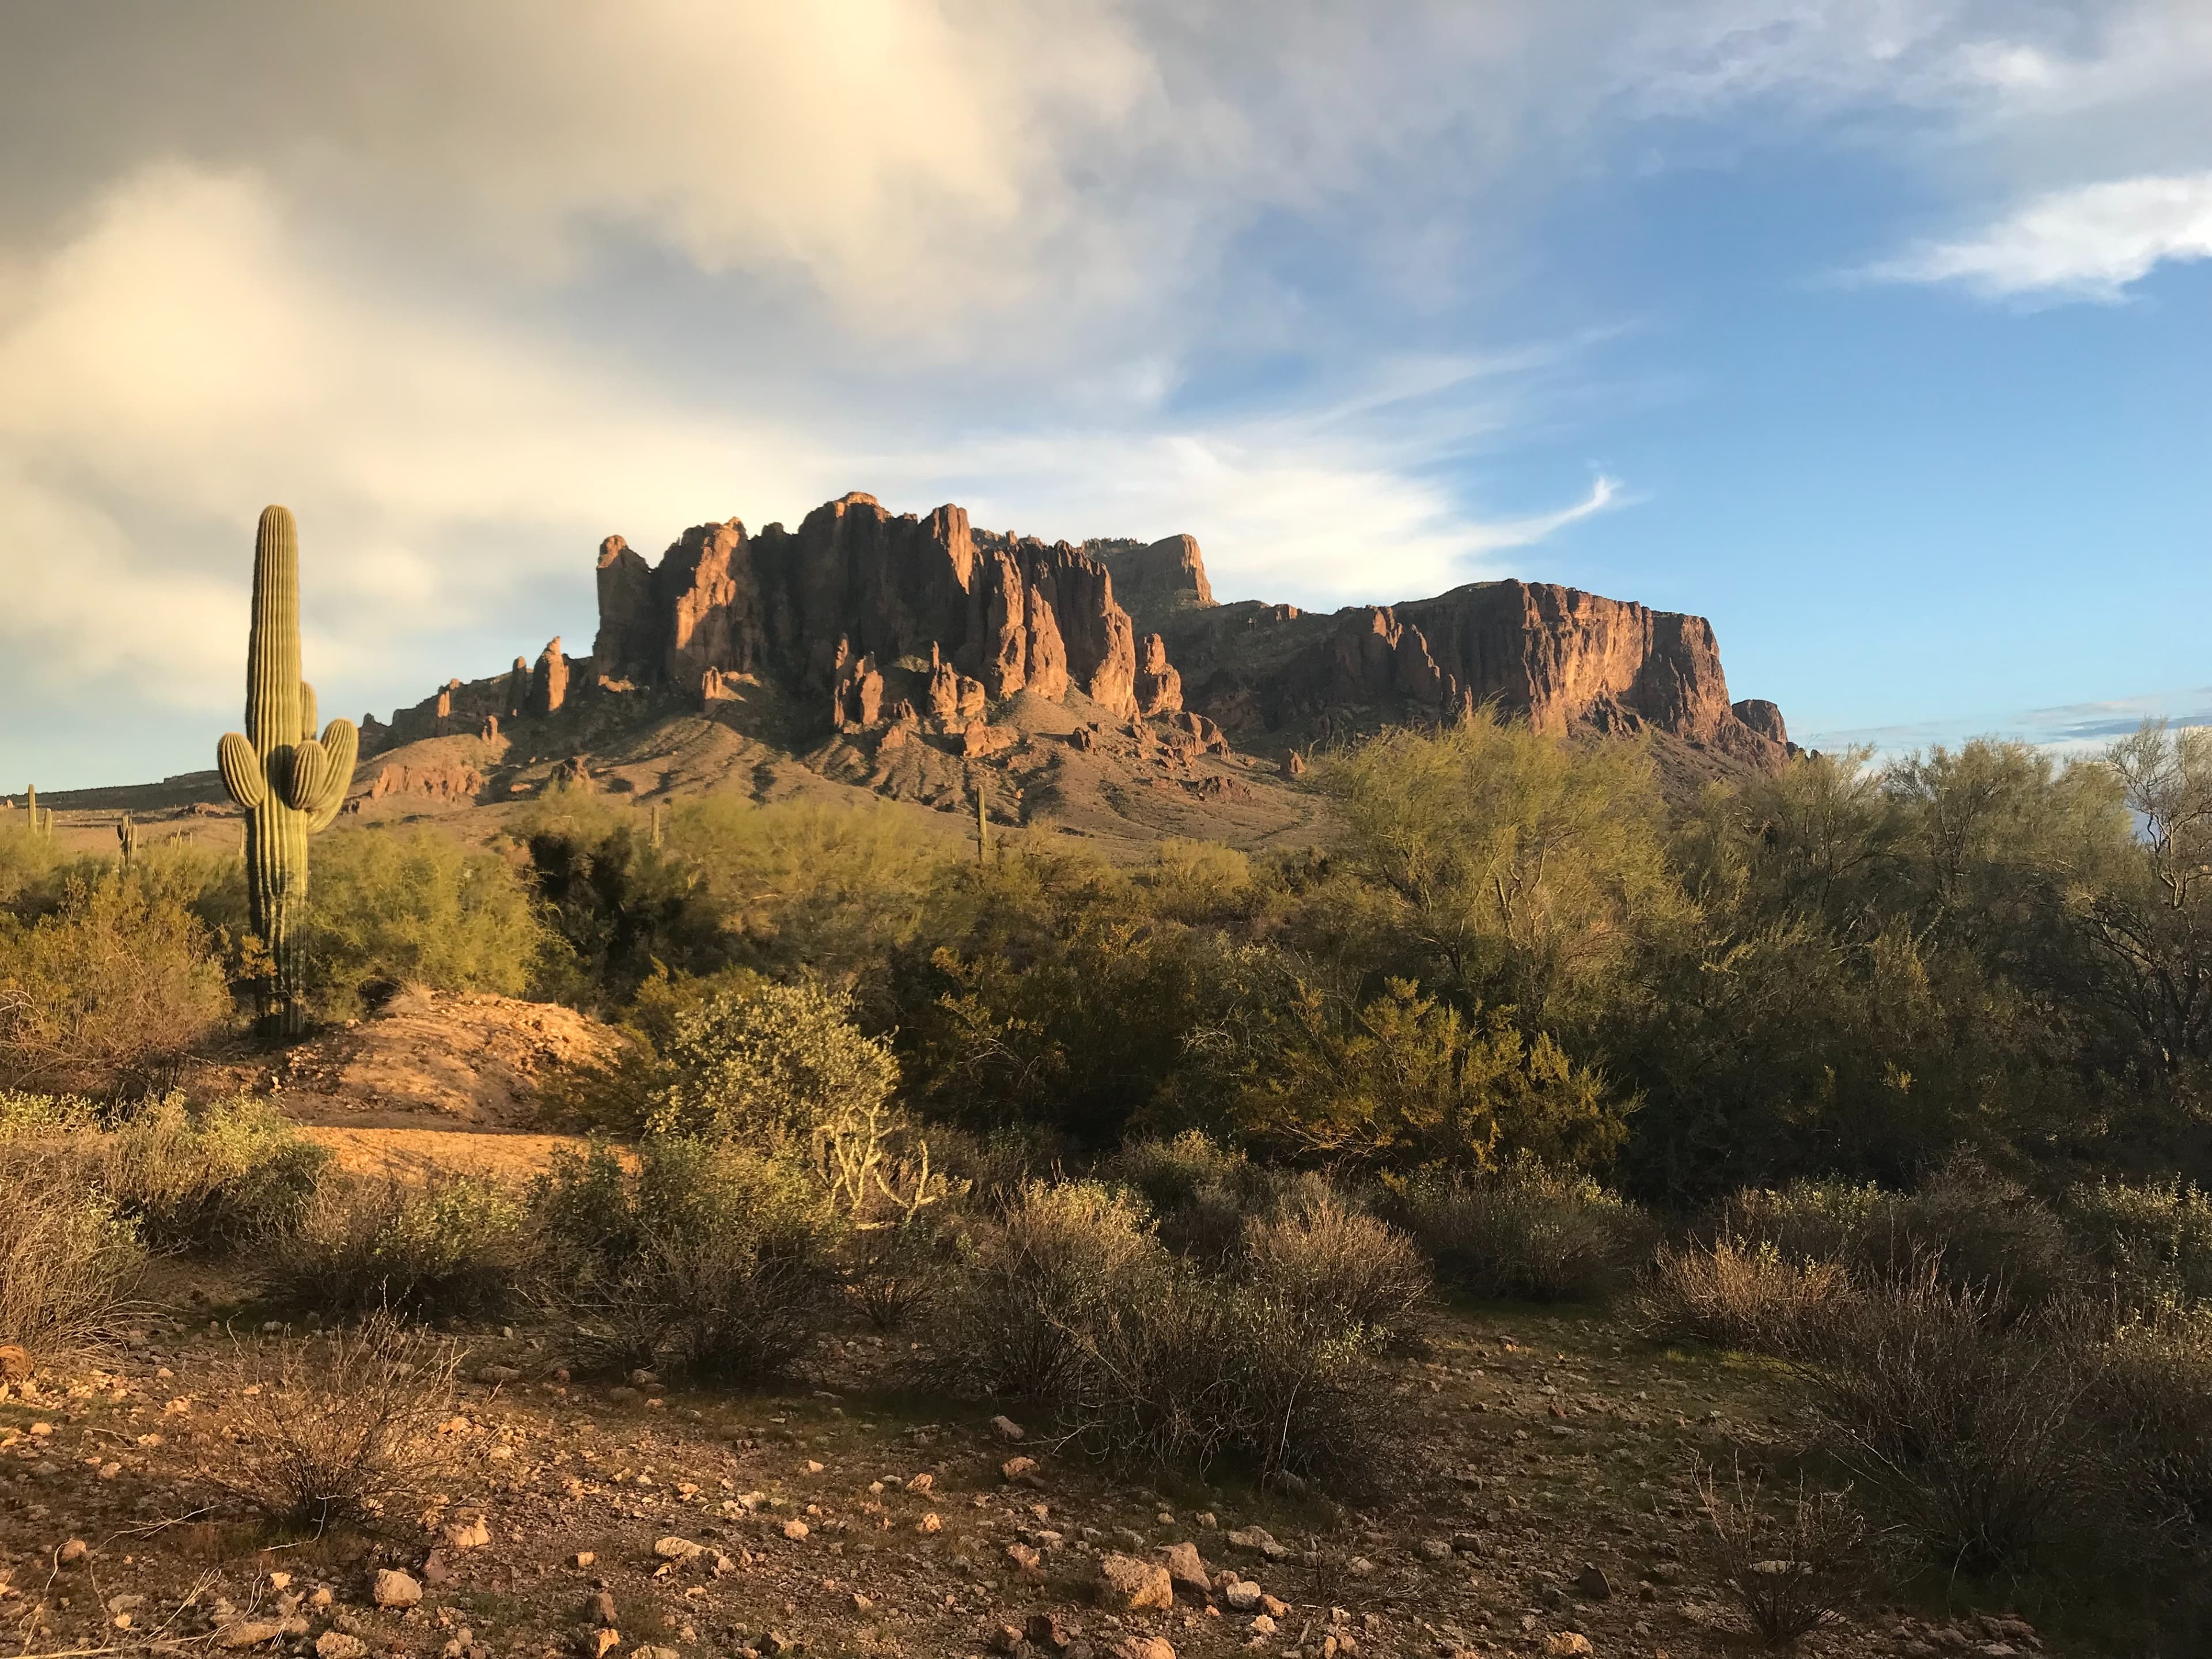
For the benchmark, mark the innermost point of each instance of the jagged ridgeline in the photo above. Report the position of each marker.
(288, 783)
(884, 640)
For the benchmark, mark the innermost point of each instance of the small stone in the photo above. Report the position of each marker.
(583, 1558)
(601, 1642)
(468, 1534)
(1273, 1607)
(1262, 1624)
(1251, 1538)
(495, 1375)
(1188, 1568)
(1007, 1429)
(1143, 1647)
(1437, 1549)
(929, 1523)
(672, 1548)
(1567, 1644)
(1026, 1560)
(1049, 1632)
(1359, 1566)
(1004, 1638)
(1242, 1594)
(601, 1606)
(337, 1644)
(72, 1553)
(1127, 1583)
(1592, 1581)
(1020, 1469)
(248, 1633)
(394, 1588)
(794, 1527)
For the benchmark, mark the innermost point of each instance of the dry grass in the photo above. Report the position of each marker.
(1967, 1421)
(67, 1261)
(1794, 1566)
(1733, 1295)
(344, 1430)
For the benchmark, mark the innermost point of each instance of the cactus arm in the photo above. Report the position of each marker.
(307, 711)
(242, 772)
(342, 746)
(307, 776)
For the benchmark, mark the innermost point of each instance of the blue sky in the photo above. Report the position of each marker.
(1875, 331)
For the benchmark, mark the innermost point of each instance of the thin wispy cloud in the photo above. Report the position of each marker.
(2089, 242)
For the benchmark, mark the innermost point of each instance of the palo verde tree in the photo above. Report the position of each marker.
(290, 784)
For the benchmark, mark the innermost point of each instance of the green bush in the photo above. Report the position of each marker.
(1524, 1231)
(707, 1257)
(188, 1177)
(388, 909)
(2156, 1396)
(1068, 1299)
(2148, 1247)
(106, 995)
(451, 1245)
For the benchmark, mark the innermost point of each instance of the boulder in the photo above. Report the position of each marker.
(393, 1589)
(1129, 1584)
(1187, 1568)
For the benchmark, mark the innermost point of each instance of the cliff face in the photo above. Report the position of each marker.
(880, 620)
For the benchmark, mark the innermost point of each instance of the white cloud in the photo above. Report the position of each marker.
(2090, 241)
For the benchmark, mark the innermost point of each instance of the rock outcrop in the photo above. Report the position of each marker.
(857, 601)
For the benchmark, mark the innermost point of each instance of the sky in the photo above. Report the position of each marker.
(1875, 332)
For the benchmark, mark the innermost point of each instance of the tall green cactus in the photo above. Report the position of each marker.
(290, 785)
(126, 840)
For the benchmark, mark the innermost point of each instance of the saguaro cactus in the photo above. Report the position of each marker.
(290, 784)
(126, 840)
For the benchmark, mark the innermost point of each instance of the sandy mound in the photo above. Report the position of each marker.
(436, 1060)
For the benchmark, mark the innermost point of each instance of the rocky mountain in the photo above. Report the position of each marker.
(1098, 687)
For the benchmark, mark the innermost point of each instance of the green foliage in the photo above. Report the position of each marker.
(1523, 1231)
(782, 1067)
(708, 1257)
(1407, 1082)
(2154, 1400)
(451, 1244)
(396, 908)
(1531, 867)
(2148, 1247)
(108, 993)
(229, 1173)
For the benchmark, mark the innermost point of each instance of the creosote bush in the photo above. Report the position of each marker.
(340, 1429)
(704, 1256)
(2155, 1405)
(449, 1244)
(1069, 1299)
(1524, 1231)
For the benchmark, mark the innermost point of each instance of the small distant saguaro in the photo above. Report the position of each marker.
(289, 784)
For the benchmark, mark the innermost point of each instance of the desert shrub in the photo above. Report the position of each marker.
(388, 909)
(2147, 1247)
(218, 1176)
(68, 1260)
(1202, 1193)
(451, 1244)
(1976, 1228)
(1406, 1080)
(1731, 1294)
(1524, 1231)
(187, 1177)
(341, 1430)
(1330, 1271)
(782, 1068)
(1054, 1264)
(107, 993)
(1794, 1567)
(705, 1256)
(1965, 1418)
(1069, 1299)
(2155, 1394)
